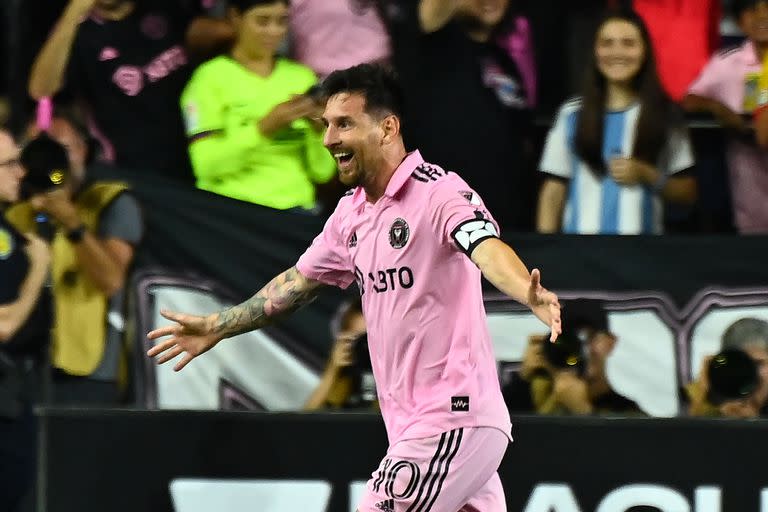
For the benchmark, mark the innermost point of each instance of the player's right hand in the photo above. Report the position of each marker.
(190, 335)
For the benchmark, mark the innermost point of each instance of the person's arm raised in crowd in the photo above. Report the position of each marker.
(15, 314)
(208, 36)
(502, 267)
(725, 116)
(551, 203)
(435, 14)
(195, 335)
(105, 261)
(47, 75)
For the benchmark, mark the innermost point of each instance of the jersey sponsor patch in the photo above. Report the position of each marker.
(399, 233)
(460, 404)
(352, 241)
(470, 233)
(6, 244)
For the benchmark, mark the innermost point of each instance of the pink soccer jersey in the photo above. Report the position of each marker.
(431, 352)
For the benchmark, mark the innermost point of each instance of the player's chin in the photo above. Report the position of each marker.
(348, 177)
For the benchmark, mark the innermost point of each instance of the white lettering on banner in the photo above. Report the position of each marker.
(552, 498)
(663, 498)
(559, 497)
(708, 499)
(205, 495)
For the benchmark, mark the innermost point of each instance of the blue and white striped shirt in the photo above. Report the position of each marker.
(597, 204)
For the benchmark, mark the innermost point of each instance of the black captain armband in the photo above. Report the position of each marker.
(470, 233)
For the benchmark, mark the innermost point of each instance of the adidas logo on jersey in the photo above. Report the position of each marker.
(386, 505)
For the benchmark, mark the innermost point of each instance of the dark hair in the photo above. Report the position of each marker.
(378, 85)
(244, 5)
(657, 111)
(739, 6)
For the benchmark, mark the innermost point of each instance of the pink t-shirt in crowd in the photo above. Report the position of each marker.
(332, 34)
(432, 357)
(731, 77)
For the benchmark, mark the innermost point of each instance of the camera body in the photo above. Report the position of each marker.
(568, 352)
(732, 375)
(46, 164)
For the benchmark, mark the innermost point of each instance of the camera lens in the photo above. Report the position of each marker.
(732, 376)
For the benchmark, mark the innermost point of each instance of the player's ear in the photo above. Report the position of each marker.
(391, 127)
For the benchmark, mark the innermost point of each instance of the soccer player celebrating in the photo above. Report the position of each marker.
(416, 239)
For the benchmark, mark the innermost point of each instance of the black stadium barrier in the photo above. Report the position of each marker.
(125, 461)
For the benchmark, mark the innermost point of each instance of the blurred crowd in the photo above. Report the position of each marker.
(648, 119)
(572, 122)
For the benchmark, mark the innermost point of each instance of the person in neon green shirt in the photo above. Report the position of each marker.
(249, 119)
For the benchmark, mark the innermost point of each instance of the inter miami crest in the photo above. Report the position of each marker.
(399, 233)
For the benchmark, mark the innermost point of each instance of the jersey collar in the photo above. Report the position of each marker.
(398, 179)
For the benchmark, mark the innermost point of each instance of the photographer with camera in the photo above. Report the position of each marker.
(25, 320)
(95, 226)
(568, 376)
(347, 382)
(734, 382)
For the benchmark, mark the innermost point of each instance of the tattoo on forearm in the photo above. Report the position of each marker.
(284, 294)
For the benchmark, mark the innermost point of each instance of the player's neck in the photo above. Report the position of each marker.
(261, 64)
(380, 180)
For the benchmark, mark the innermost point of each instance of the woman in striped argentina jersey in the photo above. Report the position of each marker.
(616, 153)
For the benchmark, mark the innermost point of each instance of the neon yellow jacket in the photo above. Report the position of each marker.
(222, 105)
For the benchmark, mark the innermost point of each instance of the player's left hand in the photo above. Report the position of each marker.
(544, 304)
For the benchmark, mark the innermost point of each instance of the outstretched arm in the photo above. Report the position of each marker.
(503, 268)
(195, 335)
(282, 295)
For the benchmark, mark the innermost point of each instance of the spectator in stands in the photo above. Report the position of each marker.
(572, 378)
(337, 34)
(97, 227)
(618, 151)
(728, 88)
(249, 116)
(25, 320)
(127, 64)
(469, 84)
(342, 383)
(751, 336)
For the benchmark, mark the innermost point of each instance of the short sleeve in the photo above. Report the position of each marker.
(460, 216)
(679, 152)
(201, 105)
(556, 156)
(122, 219)
(327, 258)
(706, 84)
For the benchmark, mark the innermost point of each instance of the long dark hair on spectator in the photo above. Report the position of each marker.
(657, 112)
